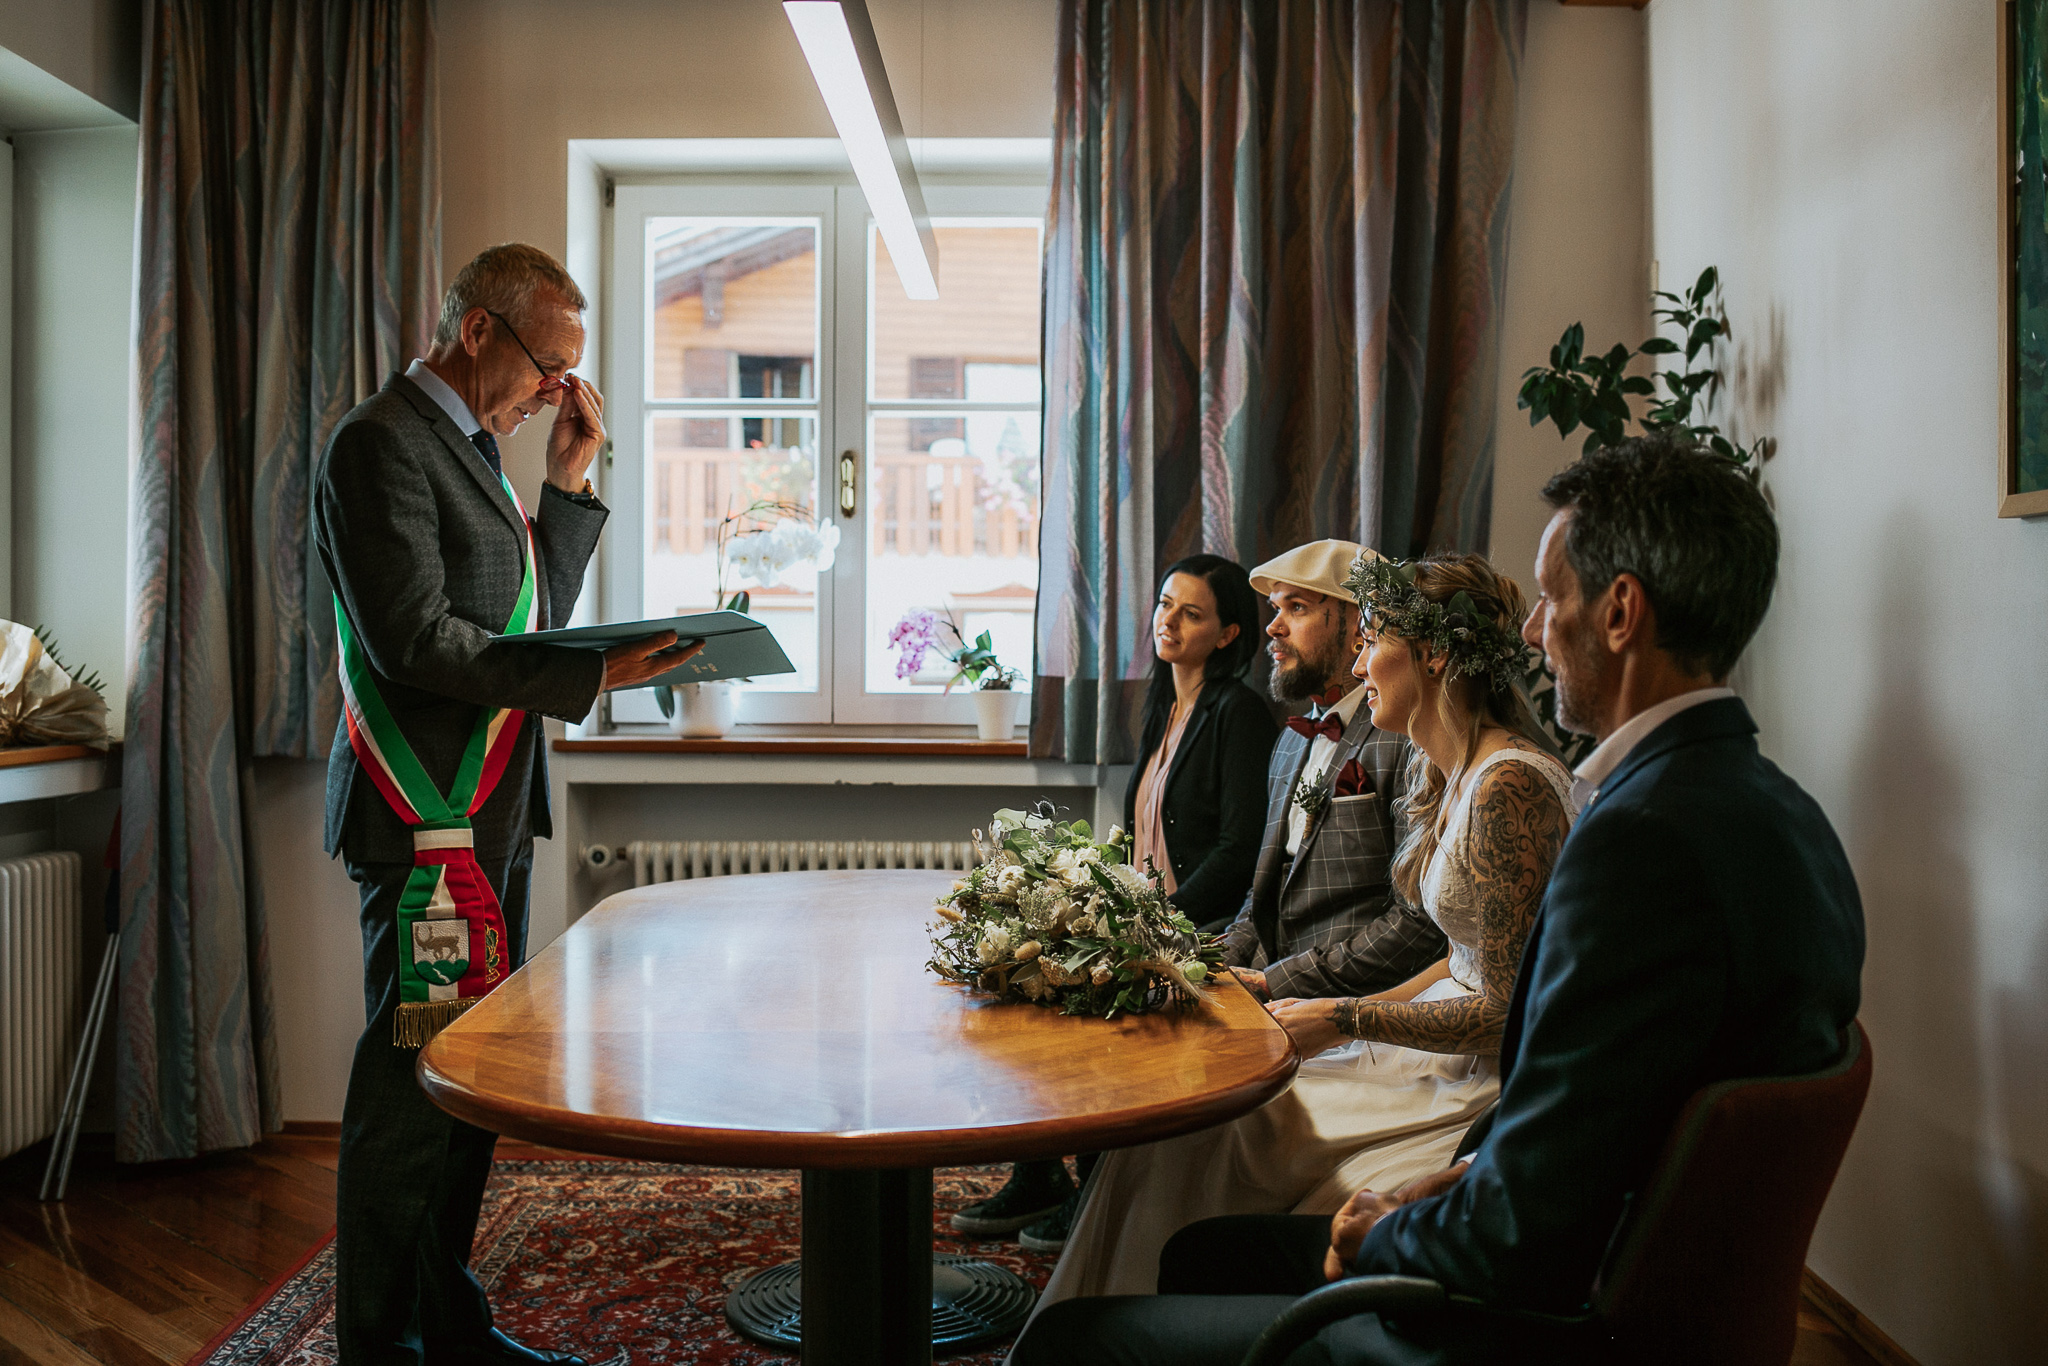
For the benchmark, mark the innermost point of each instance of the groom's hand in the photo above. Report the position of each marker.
(1254, 982)
(1366, 1208)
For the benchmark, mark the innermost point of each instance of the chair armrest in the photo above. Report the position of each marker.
(1343, 1299)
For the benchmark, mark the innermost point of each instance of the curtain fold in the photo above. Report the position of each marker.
(288, 257)
(1277, 242)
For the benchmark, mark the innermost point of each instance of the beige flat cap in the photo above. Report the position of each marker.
(1319, 566)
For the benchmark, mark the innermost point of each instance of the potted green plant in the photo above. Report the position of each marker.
(1593, 390)
(785, 534)
(916, 633)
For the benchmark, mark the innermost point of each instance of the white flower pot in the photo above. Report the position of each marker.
(995, 712)
(704, 710)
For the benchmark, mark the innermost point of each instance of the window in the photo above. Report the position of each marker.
(758, 336)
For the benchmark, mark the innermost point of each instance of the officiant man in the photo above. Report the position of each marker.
(437, 784)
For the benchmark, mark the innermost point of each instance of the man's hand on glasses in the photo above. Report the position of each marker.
(578, 433)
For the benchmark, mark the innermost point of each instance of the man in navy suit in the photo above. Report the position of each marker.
(1701, 924)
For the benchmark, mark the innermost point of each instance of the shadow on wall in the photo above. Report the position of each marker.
(1926, 1004)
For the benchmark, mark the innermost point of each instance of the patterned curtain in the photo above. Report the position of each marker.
(1272, 293)
(288, 259)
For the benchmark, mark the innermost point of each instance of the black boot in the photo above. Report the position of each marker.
(1034, 1190)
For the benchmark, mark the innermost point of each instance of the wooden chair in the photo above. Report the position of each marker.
(1707, 1266)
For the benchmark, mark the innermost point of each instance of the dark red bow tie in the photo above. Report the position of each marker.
(1331, 725)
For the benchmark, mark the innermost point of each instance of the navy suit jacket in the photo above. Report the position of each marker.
(1701, 925)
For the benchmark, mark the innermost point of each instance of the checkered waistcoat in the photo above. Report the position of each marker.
(1328, 922)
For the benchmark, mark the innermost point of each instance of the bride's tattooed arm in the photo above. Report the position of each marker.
(1516, 825)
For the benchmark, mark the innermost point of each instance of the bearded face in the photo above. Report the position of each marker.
(1312, 641)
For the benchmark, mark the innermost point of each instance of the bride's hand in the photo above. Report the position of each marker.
(1309, 1024)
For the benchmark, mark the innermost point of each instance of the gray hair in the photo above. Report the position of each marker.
(505, 279)
(1685, 522)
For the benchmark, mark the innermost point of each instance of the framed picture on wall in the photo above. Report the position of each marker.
(2023, 245)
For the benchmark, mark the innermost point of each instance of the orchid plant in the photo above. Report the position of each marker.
(916, 634)
(762, 554)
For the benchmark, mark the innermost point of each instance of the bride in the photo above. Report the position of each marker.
(1390, 1082)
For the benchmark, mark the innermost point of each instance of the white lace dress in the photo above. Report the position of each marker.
(1361, 1116)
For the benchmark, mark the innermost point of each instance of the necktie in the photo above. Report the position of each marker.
(1330, 725)
(487, 447)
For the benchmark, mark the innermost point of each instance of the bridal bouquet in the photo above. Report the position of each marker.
(1054, 917)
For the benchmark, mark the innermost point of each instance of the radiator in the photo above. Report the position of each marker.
(42, 988)
(674, 860)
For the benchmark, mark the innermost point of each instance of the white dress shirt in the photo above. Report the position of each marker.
(1319, 750)
(1588, 776)
(451, 402)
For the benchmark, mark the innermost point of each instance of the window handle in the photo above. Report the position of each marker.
(849, 483)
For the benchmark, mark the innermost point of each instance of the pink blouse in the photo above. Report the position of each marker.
(1148, 840)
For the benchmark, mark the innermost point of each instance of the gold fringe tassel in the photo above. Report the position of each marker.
(419, 1021)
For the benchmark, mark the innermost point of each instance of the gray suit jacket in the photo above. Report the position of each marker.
(1328, 922)
(426, 553)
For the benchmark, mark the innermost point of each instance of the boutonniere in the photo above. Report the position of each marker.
(1310, 795)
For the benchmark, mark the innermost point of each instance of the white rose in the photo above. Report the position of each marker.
(1011, 880)
(994, 945)
(1071, 866)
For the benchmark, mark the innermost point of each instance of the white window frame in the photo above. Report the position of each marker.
(842, 401)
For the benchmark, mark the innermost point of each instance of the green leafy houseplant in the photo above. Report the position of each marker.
(1593, 390)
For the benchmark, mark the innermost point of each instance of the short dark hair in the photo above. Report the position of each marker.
(1689, 526)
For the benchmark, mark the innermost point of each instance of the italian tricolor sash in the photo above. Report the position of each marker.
(451, 930)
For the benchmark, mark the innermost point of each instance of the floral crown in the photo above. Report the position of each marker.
(1472, 642)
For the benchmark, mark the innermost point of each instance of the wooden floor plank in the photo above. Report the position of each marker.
(36, 1344)
(76, 1304)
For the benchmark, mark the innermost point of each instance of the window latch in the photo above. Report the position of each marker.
(849, 480)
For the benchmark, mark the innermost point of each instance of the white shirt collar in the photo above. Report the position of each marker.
(451, 402)
(1602, 762)
(1347, 706)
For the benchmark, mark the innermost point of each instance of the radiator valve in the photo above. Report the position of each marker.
(598, 857)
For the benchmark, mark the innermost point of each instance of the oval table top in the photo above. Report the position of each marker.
(789, 1020)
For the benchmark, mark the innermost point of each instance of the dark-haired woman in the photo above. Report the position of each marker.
(1195, 810)
(1196, 806)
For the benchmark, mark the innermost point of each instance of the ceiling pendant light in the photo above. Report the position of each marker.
(839, 42)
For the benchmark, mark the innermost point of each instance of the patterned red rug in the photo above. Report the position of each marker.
(621, 1262)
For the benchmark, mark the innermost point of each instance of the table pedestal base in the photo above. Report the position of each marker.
(868, 1291)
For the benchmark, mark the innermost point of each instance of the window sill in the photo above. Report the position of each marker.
(869, 747)
(36, 772)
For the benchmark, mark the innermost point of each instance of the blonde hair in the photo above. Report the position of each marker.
(505, 279)
(1468, 701)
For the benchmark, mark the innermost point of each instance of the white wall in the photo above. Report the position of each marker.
(74, 235)
(1838, 159)
(1578, 244)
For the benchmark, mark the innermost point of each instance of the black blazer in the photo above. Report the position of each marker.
(1702, 924)
(1214, 810)
(427, 553)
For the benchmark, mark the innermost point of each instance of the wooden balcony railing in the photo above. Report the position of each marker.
(922, 505)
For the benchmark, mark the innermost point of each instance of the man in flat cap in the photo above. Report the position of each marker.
(1322, 917)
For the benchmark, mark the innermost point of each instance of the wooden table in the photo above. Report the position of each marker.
(788, 1020)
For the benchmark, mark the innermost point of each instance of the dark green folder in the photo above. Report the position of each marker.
(735, 645)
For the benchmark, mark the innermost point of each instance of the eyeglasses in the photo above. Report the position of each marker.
(548, 383)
